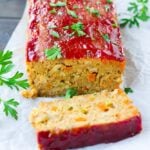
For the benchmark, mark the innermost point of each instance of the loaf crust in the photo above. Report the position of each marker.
(88, 63)
(88, 136)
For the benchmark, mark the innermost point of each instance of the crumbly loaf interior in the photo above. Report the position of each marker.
(54, 77)
(93, 109)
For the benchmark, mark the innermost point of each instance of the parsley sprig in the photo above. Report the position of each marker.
(14, 82)
(9, 107)
(6, 66)
(138, 12)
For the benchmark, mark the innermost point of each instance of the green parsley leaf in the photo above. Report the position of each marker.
(66, 27)
(131, 22)
(75, 6)
(109, 1)
(143, 15)
(53, 53)
(133, 7)
(128, 90)
(139, 12)
(107, 8)
(15, 81)
(52, 26)
(72, 13)
(114, 25)
(98, 2)
(106, 37)
(9, 108)
(53, 11)
(78, 28)
(70, 93)
(54, 34)
(5, 67)
(58, 4)
(93, 11)
(5, 57)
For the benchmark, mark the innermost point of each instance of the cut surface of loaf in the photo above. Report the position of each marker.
(85, 120)
(73, 44)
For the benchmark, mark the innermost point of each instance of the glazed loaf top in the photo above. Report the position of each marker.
(74, 28)
(80, 111)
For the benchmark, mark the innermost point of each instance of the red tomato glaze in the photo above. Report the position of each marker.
(91, 45)
(87, 136)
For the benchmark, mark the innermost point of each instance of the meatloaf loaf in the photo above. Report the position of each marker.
(85, 120)
(73, 44)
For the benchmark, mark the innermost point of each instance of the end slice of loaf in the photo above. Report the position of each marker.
(85, 120)
(90, 62)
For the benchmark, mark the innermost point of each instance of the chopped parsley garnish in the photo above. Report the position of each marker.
(75, 6)
(52, 27)
(106, 37)
(139, 12)
(14, 82)
(78, 28)
(62, 4)
(66, 27)
(93, 11)
(107, 8)
(54, 34)
(128, 90)
(53, 11)
(98, 2)
(109, 1)
(72, 13)
(114, 25)
(58, 4)
(70, 93)
(53, 53)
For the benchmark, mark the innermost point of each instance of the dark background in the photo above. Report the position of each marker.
(10, 14)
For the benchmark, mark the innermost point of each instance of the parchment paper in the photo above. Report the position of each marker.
(19, 135)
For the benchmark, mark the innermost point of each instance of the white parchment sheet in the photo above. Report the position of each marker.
(19, 135)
